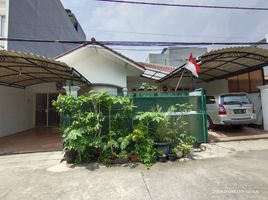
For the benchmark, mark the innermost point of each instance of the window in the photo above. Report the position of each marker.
(235, 99)
(210, 100)
(2, 26)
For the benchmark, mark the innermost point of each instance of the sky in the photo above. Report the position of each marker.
(111, 21)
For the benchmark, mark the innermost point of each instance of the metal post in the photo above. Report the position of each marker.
(204, 116)
(177, 86)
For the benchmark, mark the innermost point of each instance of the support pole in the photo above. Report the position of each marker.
(72, 90)
(178, 84)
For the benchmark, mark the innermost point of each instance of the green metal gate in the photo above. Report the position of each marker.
(196, 118)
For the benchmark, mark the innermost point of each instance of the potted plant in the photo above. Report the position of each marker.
(133, 157)
(182, 150)
(178, 150)
(162, 141)
(70, 155)
(149, 89)
(162, 157)
(163, 146)
(187, 149)
(172, 155)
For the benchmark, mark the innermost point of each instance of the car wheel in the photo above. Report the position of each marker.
(210, 124)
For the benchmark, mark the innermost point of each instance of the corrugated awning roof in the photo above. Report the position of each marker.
(19, 69)
(227, 62)
(155, 71)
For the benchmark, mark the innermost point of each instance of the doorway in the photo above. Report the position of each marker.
(46, 114)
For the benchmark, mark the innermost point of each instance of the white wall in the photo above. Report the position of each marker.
(17, 107)
(16, 110)
(101, 88)
(256, 100)
(44, 88)
(100, 67)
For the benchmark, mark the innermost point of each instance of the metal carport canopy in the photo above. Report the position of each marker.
(20, 70)
(227, 62)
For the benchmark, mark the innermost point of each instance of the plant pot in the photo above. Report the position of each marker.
(133, 158)
(120, 160)
(179, 154)
(107, 161)
(186, 155)
(163, 147)
(162, 158)
(70, 155)
(172, 156)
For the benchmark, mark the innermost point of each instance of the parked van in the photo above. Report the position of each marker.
(229, 109)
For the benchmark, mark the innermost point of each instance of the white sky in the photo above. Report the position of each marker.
(107, 21)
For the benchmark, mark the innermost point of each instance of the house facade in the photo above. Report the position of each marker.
(29, 105)
(26, 93)
(38, 19)
(28, 85)
(111, 71)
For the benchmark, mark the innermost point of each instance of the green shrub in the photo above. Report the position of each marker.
(102, 126)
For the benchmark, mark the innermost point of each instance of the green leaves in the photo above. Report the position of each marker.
(124, 142)
(102, 126)
(88, 117)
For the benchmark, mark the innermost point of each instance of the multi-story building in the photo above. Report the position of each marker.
(38, 19)
(175, 56)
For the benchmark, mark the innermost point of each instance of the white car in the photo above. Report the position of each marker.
(229, 109)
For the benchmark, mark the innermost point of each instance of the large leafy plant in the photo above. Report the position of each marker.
(93, 129)
(101, 126)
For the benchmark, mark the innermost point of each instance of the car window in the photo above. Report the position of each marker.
(235, 99)
(210, 100)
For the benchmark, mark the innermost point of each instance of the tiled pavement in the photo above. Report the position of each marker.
(226, 134)
(34, 140)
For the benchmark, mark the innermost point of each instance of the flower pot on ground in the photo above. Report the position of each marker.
(187, 149)
(172, 156)
(178, 150)
(70, 155)
(115, 161)
(133, 158)
(162, 158)
(182, 150)
(121, 161)
(163, 147)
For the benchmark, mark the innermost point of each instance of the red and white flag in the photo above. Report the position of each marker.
(192, 66)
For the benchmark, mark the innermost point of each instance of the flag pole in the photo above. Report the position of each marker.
(178, 84)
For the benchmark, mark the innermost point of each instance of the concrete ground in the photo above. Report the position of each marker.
(228, 170)
(227, 133)
(33, 140)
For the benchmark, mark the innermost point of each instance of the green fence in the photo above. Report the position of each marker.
(146, 101)
(196, 118)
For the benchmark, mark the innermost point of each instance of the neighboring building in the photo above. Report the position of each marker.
(264, 46)
(175, 56)
(38, 19)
